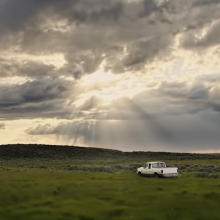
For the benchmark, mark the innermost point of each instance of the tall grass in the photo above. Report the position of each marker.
(40, 194)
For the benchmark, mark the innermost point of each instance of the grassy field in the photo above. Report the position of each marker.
(43, 182)
(35, 194)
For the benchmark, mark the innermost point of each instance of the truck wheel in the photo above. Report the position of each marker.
(156, 175)
(140, 174)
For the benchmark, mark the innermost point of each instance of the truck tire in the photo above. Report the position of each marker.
(156, 175)
(140, 174)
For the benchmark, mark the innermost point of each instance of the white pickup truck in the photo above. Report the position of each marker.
(157, 169)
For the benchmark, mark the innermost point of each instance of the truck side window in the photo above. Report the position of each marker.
(162, 165)
(155, 165)
(149, 166)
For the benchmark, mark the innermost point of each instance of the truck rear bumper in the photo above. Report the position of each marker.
(169, 175)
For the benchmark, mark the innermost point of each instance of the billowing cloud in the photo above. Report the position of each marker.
(88, 33)
(85, 32)
(38, 90)
(206, 2)
(208, 40)
(27, 68)
(43, 97)
(74, 10)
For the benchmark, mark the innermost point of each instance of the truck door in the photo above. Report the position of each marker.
(144, 171)
(149, 170)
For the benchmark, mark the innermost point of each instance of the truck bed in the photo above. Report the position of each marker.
(168, 172)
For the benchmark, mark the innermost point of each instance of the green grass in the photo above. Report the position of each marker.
(40, 194)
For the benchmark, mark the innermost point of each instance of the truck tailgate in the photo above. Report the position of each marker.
(169, 170)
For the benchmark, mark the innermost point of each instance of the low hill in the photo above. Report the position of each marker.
(20, 152)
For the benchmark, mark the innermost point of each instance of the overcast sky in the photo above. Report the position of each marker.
(119, 74)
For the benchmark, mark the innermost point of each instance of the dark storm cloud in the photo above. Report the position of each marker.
(59, 109)
(112, 13)
(44, 97)
(102, 25)
(36, 41)
(137, 54)
(47, 97)
(149, 6)
(17, 14)
(215, 106)
(206, 2)
(210, 39)
(27, 68)
(35, 91)
(200, 95)
(94, 27)
(206, 15)
(14, 111)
